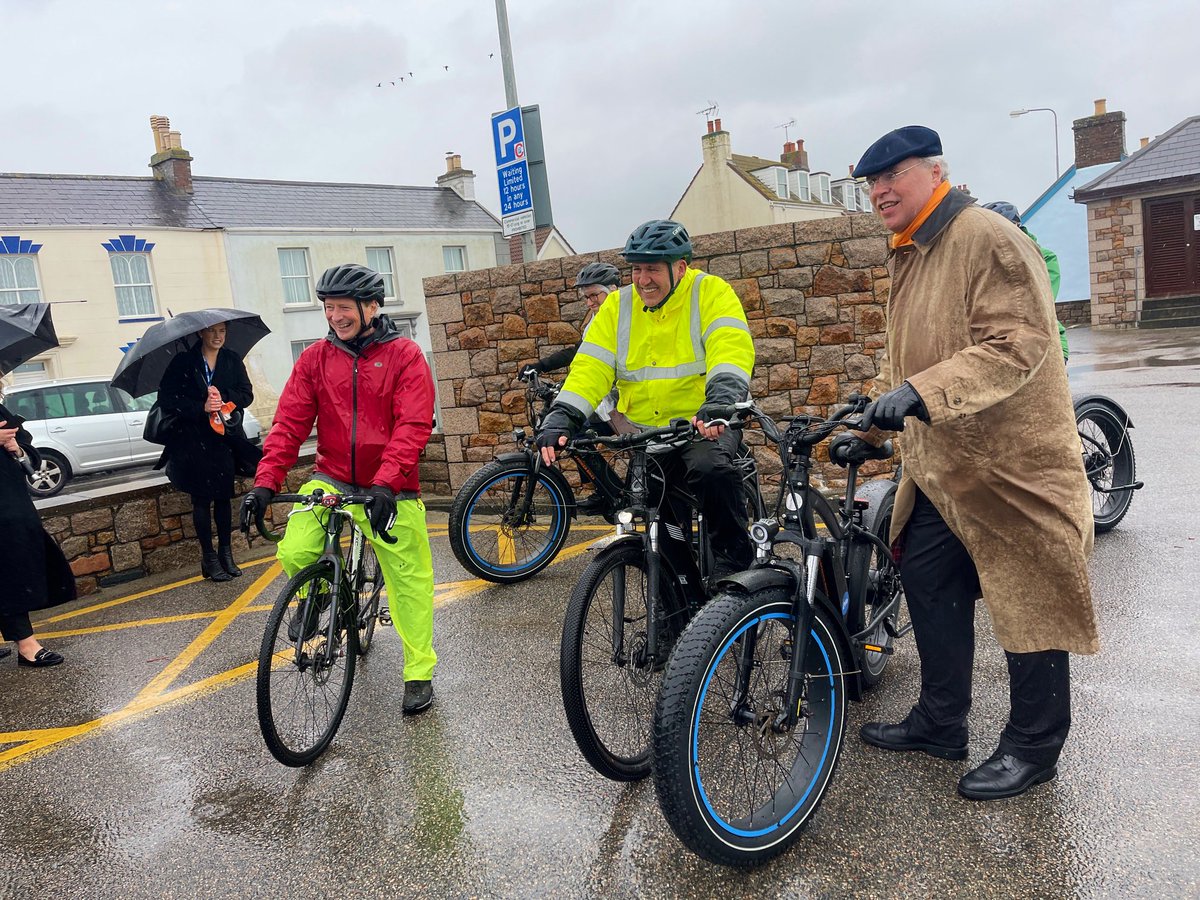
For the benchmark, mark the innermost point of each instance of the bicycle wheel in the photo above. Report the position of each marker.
(304, 678)
(608, 693)
(368, 589)
(495, 534)
(734, 789)
(1108, 460)
(874, 581)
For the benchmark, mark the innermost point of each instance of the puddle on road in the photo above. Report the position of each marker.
(1150, 362)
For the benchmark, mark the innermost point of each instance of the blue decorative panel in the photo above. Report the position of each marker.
(12, 243)
(127, 243)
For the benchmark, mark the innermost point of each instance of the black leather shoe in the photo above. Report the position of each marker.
(902, 736)
(41, 659)
(210, 567)
(225, 556)
(1003, 775)
(595, 505)
(418, 695)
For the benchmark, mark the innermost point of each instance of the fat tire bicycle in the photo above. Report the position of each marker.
(751, 713)
(511, 518)
(1108, 458)
(323, 620)
(633, 600)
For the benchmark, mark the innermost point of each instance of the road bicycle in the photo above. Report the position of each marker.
(512, 517)
(323, 621)
(1108, 458)
(634, 598)
(751, 713)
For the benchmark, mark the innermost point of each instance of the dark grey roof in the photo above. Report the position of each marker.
(1171, 157)
(41, 200)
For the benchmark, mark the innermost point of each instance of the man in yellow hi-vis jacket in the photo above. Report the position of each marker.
(677, 344)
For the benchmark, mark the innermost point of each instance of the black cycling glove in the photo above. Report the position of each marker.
(711, 410)
(255, 505)
(528, 370)
(890, 410)
(381, 508)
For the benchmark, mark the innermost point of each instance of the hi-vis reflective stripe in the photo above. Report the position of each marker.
(595, 351)
(658, 373)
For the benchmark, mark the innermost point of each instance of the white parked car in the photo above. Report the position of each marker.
(84, 425)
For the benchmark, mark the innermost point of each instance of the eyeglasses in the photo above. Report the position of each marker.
(595, 295)
(887, 179)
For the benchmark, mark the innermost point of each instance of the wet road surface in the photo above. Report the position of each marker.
(137, 769)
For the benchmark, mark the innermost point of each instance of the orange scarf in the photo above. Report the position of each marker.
(904, 238)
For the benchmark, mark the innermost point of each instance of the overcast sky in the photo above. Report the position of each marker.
(265, 89)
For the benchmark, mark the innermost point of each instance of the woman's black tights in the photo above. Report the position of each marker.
(203, 517)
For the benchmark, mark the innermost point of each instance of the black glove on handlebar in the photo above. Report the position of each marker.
(847, 448)
(254, 506)
(528, 370)
(556, 424)
(889, 411)
(711, 410)
(381, 508)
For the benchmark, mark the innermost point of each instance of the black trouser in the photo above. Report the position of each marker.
(941, 586)
(594, 461)
(203, 519)
(710, 474)
(15, 627)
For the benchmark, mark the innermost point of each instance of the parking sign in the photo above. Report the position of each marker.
(512, 172)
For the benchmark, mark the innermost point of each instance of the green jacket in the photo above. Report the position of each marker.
(1055, 273)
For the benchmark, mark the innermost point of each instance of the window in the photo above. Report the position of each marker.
(135, 292)
(77, 400)
(821, 190)
(136, 404)
(18, 280)
(293, 269)
(781, 185)
(849, 196)
(798, 181)
(299, 347)
(454, 259)
(380, 259)
(35, 370)
(27, 404)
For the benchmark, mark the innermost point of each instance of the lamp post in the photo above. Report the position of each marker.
(1020, 112)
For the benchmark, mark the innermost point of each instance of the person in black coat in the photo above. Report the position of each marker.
(37, 574)
(205, 390)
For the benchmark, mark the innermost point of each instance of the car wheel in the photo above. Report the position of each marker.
(51, 478)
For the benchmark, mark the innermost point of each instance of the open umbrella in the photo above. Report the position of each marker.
(142, 369)
(26, 330)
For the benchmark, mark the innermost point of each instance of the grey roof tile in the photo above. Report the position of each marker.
(1174, 154)
(32, 200)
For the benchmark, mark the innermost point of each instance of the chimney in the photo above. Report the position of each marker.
(1099, 138)
(458, 179)
(1145, 141)
(794, 155)
(170, 162)
(715, 145)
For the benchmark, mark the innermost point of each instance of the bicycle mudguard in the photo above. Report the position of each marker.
(1107, 402)
(753, 580)
(874, 492)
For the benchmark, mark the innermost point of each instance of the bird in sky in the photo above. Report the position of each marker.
(490, 55)
(447, 68)
(380, 84)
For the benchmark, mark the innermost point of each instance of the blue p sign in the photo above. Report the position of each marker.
(508, 137)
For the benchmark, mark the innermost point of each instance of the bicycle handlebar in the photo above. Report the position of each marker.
(318, 497)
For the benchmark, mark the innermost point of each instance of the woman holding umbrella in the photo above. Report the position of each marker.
(38, 576)
(204, 390)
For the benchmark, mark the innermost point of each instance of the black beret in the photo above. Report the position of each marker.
(898, 145)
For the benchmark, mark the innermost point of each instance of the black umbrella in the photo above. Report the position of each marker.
(26, 330)
(142, 369)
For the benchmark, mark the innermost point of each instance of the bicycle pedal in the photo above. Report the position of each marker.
(385, 618)
(876, 648)
(890, 627)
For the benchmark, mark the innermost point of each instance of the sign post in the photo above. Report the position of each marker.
(512, 172)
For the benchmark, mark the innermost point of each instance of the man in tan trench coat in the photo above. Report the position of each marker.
(994, 501)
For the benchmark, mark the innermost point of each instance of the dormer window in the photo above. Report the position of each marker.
(798, 182)
(821, 190)
(776, 179)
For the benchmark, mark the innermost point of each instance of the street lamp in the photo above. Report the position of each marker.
(1021, 112)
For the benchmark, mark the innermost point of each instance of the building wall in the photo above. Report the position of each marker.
(814, 293)
(719, 199)
(258, 286)
(188, 268)
(1117, 261)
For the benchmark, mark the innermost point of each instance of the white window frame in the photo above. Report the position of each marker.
(287, 281)
(299, 347)
(824, 191)
(388, 272)
(798, 178)
(850, 196)
(462, 252)
(33, 371)
(18, 293)
(406, 325)
(781, 182)
(864, 201)
(129, 290)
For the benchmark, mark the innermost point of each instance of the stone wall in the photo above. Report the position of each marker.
(1114, 250)
(1075, 312)
(814, 295)
(131, 533)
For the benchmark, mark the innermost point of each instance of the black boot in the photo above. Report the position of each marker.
(210, 567)
(225, 555)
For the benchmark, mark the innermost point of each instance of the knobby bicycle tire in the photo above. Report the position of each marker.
(298, 717)
(1108, 459)
(488, 533)
(733, 789)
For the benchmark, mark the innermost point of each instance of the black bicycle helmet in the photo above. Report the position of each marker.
(659, 240)
(353, 281)
(598, 273)
(1005, 209)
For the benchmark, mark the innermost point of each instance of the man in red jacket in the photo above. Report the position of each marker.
(371, 394)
